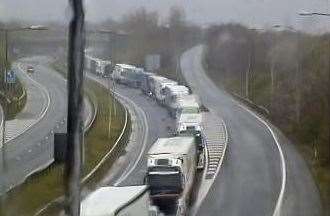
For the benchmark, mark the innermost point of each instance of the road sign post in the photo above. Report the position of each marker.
(10, 77)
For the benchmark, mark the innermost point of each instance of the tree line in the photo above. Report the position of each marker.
(287, 72)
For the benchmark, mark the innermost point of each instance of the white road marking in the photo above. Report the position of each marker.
(277, 211)
(127, 172)
(43, 113)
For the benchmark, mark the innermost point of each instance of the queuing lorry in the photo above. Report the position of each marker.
(171, 169)
(104, 68)
(119, 201)
(189, 123)
(145, 82)
(160, 83)
(127, 74)
(184, 104)
(91, 64)
(174, 92)
(152, 79)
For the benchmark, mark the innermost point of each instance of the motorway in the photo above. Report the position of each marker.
(33, 150)
(261, 170)
(152, 122)
(254, 177)
(149, 122)
(37, 103)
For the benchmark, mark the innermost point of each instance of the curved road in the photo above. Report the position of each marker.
(33, 150)
(253, 176)
(152, 122)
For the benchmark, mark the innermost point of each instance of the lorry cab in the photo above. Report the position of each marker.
(165, 179)
(127, 74)
(190, 125)
(170, 167)
(160, 84)
(188, 116)
(189, 119)
(184, 104)
(104, 68)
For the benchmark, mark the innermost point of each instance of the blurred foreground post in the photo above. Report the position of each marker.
(75, 124)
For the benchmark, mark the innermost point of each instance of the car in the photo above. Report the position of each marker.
(30, 69)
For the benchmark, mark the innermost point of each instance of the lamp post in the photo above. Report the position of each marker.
(297, 77)
(251, 58)
(321, 14)
(112, 40)
(9, 30)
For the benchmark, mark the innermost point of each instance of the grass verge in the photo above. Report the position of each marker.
(12, 99)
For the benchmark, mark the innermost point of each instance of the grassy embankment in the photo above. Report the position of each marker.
(46, 186)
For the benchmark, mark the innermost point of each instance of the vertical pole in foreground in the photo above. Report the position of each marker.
(75, 124)
(329, 98)
(6, 53)
(5, 111)
(110, 109)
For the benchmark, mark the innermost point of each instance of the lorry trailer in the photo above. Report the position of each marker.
(157, 86)
(127, 74)
(171, 170)
(173, 92)
(119, 201)
(187, 104)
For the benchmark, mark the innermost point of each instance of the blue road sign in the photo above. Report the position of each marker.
(10, 77)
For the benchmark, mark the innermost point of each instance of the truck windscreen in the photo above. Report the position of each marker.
(164, 180)
(190, 110)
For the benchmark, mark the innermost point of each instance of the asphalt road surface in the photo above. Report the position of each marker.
(130, 169)
(253, 176)
(33, 150)
(37, 103)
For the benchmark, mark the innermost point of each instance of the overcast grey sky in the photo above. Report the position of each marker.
(257, 13)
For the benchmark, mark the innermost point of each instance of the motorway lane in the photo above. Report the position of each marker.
(37, 101)
(159, 124)
(33, 150)
(251, 177)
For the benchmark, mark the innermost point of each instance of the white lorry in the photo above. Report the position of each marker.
(127, 74)
(189, 123)
(98, 66)
(104, 68)
(158, 86)
(188, 104)
(119, 201)
(171, 170)
(174, 92)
